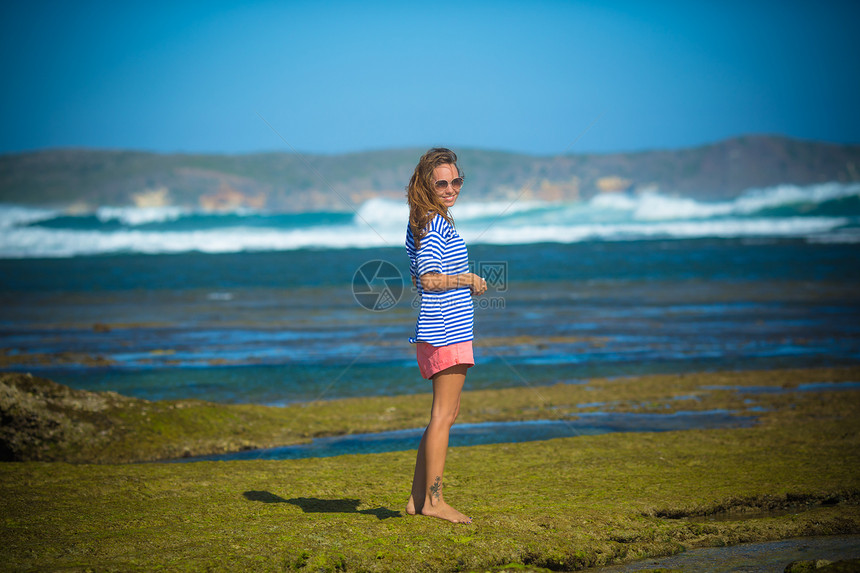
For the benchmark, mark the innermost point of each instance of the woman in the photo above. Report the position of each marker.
(439, 265)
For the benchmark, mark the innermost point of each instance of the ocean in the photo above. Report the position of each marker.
(820, 213)
(275, 308)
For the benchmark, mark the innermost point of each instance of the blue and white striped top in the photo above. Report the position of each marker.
(445, 317)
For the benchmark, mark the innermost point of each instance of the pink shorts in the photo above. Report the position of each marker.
(434, 359)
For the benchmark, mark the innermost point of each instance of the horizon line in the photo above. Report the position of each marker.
(460, 149)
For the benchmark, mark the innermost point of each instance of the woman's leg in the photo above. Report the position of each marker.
(426, 495)
(419, 479)
(419, 485)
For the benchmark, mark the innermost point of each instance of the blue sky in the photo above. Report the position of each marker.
(336, 77)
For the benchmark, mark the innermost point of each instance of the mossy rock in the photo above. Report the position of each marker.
(40, 417)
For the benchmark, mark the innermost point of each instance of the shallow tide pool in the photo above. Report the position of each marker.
(591, 423)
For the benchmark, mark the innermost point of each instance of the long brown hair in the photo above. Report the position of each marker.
(423, 201)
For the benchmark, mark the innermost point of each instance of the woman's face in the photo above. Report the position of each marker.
(443, 176)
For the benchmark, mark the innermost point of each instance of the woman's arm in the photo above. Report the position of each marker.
(437, 282)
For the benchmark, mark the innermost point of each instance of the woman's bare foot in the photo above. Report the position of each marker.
(410, 506)
(444, 511)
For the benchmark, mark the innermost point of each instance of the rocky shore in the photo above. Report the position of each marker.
(47, 421)
(562, 504)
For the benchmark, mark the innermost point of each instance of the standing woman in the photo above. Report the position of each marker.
(439, 265)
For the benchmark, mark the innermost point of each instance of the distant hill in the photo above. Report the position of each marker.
(82, 179)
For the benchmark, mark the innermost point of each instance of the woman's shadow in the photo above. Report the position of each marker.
(316, 505)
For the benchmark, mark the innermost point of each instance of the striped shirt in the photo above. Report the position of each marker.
(445, 317)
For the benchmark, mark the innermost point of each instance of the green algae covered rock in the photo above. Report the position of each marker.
(41, 418)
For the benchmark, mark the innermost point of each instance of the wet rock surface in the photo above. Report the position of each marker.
(800, 555)
(41, 420)
(40, 416)
(823, 566)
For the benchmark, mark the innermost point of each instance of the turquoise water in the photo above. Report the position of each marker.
(825, 213)
(283, 327)
(169, 303)
(586, 424)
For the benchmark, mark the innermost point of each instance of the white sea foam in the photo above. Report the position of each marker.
(801, 227)
(388, 213)
(40, 242)
(134, 216)
(16, 215)
(468, 211)
(657, 207)
(757, 199)
(382, 213)
(381, 222)
(34, 242)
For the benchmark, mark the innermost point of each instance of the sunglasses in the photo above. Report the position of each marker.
(455, 183)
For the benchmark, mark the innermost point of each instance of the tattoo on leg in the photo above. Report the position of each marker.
(436, 488)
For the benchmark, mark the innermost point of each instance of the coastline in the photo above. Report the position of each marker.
(560, 504)
(51, 422)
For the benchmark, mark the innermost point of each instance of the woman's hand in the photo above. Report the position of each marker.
(436, 282)
(478, 284)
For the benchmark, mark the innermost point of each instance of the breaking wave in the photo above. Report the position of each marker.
(827, 213)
